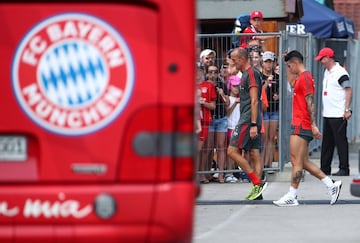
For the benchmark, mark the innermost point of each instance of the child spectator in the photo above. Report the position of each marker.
(233, 116)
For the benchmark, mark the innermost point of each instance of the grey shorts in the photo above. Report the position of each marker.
(303, 133)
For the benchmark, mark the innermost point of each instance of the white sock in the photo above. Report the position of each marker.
(328, 182)
(293, 192)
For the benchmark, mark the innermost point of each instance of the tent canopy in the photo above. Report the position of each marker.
(323, 22)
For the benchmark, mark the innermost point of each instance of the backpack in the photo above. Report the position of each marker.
(241, 23)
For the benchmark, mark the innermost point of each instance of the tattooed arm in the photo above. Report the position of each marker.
(311, 107)
(312, 112)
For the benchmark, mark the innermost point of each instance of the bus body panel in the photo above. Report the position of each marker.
(96, 135)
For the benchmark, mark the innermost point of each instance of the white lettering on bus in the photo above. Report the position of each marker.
(36, 47)
(6, 211)
(93, 34)
(71, 29)
(64, 209)
(75, 118)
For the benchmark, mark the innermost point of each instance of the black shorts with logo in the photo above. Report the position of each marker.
(240, 138)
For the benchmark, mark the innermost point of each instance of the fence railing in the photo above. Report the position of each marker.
(309, 47)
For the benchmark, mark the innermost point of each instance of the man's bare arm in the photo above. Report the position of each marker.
(311, 107)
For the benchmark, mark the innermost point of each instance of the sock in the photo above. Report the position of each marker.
(293, 192)
(327, 181)
(254, 179)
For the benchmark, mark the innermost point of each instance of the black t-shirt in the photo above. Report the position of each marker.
(220, 109)
(271, 89)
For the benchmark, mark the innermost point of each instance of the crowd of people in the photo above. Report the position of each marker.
(238, 119)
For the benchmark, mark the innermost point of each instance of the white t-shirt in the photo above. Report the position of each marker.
(333, 95)
(234, 117)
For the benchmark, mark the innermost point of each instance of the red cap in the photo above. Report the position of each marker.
(325, 52)
(256, 14)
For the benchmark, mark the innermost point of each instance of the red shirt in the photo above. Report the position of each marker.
(304, 85)
(207, 92)
(244, 40)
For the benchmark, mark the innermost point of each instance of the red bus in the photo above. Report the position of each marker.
(97, 124)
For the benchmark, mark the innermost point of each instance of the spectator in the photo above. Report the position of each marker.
(233, 116)
(218, 126)
(232, 70)
(224, 72)
(271, 114)
(255, 46)
(207, 98)
(246, 133)
(255, 60)
(336, 97)
(207, 58)
(256, 19)
(303, 126)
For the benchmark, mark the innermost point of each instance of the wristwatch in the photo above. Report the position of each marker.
(348, 110)
(253, 124)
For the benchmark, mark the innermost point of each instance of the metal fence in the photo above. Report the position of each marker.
(347, 52)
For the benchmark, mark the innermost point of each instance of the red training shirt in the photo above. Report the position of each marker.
(207, 91)
(304, 85)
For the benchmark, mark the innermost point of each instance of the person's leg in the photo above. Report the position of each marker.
(221, 146)
(201, 166)
(333, 187)
(256, 162)
(342, 145)
(273, 125)
(230, 163)
(298, 152)
(207, 151)
(234, 153)
(327, 147)
(221, 152)
(265, 140)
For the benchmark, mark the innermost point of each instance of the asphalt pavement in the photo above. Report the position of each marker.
(221, 209)
(215, 191)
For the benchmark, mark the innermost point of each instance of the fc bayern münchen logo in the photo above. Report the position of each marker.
(73, 74)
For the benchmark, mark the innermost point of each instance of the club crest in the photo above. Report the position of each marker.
(73, 74)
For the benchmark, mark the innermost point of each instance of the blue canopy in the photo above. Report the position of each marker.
(323, 22)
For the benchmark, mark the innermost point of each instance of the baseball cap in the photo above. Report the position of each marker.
(233, 80)
(268, 55)
(325, 52)
(207, 52)
(256, 14)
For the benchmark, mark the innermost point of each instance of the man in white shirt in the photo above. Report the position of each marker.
(336, 97)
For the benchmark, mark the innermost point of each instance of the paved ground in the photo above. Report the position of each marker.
(222, 215)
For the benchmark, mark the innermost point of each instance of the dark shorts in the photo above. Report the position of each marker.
(240, 138)
(303, 133)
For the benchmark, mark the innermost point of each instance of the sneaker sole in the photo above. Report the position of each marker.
(337, 194)
(285, 205)
(258, 195)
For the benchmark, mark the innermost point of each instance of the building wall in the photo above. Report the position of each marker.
(350, 9)
(229, 9)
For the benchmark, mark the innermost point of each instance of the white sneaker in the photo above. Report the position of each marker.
(286, 201)
(231, 179)
(334, 192)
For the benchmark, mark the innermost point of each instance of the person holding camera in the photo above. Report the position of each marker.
(218, 127)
